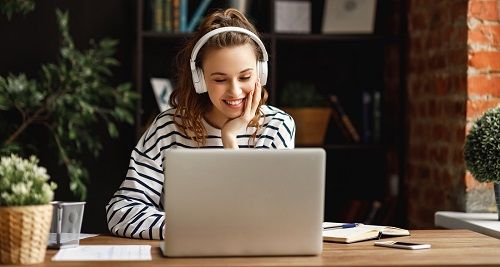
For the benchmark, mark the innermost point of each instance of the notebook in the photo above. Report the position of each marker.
(361, 232)
(243, 202)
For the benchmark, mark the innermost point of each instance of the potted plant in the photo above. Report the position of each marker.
(25, 212)
(482, 150)
(310, 111)
(68, 102)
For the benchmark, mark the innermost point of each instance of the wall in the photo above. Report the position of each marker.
(436, 108)
(483, 84)
(453, 66)
(29, 41)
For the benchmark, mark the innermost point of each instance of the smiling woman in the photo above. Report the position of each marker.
(218, 102)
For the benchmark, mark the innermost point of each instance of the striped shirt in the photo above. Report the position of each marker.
(136, 209)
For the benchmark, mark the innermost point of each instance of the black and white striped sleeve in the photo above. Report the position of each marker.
(136, 208)
(285, 136)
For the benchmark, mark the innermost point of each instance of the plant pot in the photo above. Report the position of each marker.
(496, 187)
(24, 231)
(311, 125)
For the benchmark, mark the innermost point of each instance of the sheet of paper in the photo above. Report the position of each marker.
(105, 253)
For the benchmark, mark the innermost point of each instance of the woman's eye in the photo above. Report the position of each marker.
(245, 78)
(219, 81)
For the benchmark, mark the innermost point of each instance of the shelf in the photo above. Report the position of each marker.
(288, 37)
(165, 35)
(349, 147)
(329, 37)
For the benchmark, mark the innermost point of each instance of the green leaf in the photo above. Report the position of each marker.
(112, 130)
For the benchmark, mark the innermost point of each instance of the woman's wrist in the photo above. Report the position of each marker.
(229, 141)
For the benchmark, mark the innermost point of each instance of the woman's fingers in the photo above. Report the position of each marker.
(248, 104)
(256, 97)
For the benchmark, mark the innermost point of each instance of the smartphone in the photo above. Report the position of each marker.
(403, 245)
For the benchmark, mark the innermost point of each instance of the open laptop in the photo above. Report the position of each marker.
(243, 202)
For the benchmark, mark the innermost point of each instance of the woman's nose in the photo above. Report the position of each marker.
(235, 88)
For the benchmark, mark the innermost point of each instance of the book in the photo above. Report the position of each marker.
(344, 119)
(183, 10)
(157, 15)
(377, 117)
(198, 15)
(168, 16)
(367, 117)
(361, 232)
(176, 15)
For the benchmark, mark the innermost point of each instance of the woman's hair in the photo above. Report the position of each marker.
(190, 106)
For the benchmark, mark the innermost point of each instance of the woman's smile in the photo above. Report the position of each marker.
(234, 103)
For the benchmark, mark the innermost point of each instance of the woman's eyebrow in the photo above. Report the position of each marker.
(217, 73)
(222, 73)
(245, 70)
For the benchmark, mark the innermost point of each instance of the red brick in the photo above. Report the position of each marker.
(471, 183)
(432, 108)
(485, 60)
(476, 108)
(485, 34)
(458, 9)
(484, 85)
(484, 9)
(417, 21)
(441, 85)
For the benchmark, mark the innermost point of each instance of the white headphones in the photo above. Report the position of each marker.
(197, 72)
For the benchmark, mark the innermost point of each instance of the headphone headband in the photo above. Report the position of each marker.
(209, 34)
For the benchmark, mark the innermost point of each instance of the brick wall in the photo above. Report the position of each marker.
(436, 108)
(483, 83)
(453, 77)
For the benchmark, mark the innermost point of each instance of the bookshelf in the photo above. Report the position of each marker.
(340, 64)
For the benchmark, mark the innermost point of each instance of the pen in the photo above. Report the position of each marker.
(342, 226)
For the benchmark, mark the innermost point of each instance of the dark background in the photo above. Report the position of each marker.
(343, 66)
(29, 41)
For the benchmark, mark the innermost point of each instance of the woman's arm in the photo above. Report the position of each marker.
(136, 209)
(285, 136)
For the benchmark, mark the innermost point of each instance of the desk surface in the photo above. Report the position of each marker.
(449, 247)
(484, 223)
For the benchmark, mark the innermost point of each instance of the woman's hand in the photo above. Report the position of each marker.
(231, 127)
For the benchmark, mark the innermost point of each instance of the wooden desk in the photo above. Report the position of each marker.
(449, 247)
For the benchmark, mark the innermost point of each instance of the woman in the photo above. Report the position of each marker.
(218, 102)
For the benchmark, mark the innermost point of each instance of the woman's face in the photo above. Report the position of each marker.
(230, 74)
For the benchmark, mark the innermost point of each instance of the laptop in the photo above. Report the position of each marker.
(243, 202)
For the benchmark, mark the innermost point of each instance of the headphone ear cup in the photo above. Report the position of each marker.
(200, 86)
(262, 70)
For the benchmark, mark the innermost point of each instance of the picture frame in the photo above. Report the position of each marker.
(292, 16)
(349, 16)
(162, 89)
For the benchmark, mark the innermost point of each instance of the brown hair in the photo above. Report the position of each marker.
(191, 106)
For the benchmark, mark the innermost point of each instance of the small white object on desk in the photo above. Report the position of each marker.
(484, 223)
(105, 253)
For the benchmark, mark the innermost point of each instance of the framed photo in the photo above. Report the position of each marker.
(292, 16)
(162, 89)
(349, 16)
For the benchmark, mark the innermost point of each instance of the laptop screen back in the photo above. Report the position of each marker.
(243, 202)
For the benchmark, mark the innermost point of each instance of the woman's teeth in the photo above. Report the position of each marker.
(233, 102)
